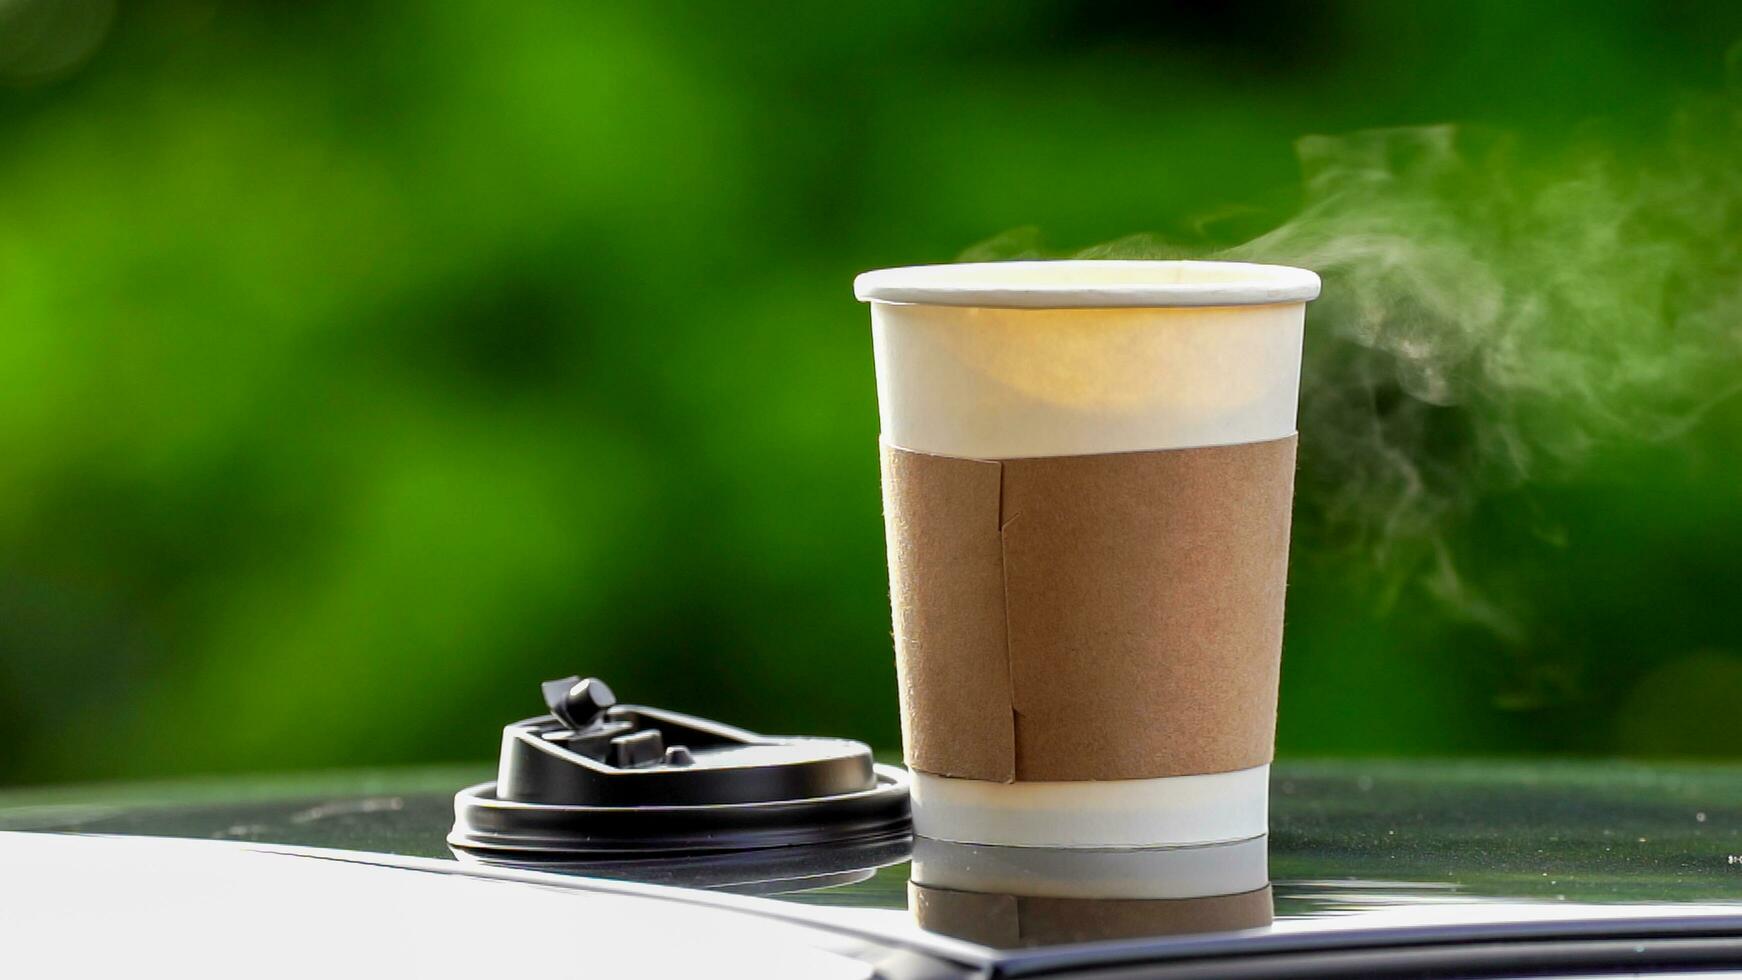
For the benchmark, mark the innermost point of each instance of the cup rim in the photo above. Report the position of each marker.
(1089, 283)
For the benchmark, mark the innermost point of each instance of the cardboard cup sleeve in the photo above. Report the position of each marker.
(1096, 617)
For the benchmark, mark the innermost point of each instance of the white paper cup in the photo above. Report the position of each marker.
(1067, 358)
(1016, 359)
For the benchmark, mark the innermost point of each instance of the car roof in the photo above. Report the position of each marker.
(1363, 855)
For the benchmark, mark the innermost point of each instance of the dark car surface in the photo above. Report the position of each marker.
(1491, 869)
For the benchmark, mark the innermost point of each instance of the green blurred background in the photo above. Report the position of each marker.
(363, 364)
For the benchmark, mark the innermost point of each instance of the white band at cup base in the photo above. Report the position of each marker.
(1163, 812)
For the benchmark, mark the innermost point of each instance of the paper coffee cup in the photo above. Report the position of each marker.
(1088, 469)
(1024, 896)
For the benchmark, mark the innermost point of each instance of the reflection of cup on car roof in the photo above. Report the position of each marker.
(1028, 896)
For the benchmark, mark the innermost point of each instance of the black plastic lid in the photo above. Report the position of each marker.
(597, 779)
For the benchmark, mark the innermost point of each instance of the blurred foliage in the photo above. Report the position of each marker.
(363, 364)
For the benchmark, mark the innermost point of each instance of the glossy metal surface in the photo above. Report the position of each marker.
(1356, 847)
(74, 906)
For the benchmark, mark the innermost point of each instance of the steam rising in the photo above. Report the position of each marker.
(1484, 323)
(1555, 312)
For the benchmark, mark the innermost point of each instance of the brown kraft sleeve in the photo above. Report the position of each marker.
(1114, 616)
